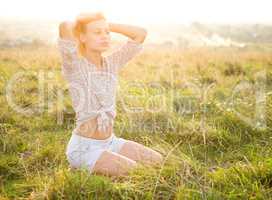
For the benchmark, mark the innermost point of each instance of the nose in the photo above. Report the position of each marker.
(105, 37)
(105, 34)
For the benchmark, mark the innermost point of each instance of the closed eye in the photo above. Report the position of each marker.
(99, 32)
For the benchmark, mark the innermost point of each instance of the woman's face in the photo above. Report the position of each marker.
(97, 36)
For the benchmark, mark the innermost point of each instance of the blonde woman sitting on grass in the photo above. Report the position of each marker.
(92, 82)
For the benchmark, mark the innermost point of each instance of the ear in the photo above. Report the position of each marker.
(82, 37)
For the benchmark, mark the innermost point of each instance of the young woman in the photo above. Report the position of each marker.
(92, 79)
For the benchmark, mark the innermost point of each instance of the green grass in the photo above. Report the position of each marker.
(210, 152)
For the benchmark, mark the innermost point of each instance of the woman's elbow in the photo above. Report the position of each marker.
(142, 35)
(62, 29)
(65, 30)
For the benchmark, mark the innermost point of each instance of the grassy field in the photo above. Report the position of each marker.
(192, 106)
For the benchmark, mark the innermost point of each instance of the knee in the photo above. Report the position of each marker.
(158, 158)
(131, 165)
(154, 158)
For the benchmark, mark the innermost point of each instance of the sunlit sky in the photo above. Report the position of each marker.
(145, 11)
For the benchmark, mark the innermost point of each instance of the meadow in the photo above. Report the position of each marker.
(208, 110)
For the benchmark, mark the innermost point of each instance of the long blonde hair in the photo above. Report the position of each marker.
(80, 27)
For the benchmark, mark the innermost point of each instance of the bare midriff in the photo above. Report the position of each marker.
(89, 129)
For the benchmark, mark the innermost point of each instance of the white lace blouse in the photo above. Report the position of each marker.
(93, 90)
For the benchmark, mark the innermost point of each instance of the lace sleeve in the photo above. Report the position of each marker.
(125, 53)
(68, 52)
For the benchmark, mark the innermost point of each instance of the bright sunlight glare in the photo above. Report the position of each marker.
(143, 12)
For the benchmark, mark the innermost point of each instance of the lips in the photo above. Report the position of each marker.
(105, 43)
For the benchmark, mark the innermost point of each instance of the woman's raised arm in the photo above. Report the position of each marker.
(66, 30)
(132, 47)
(135, 33)
(68, 49)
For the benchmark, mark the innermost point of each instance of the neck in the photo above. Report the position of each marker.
(94, 57)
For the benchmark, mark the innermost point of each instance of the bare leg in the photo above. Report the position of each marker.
(113, 164)
(140, 153)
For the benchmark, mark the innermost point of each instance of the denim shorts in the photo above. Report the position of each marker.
(83, 152)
